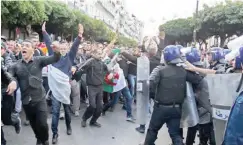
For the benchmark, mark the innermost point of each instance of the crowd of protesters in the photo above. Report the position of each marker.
(61, 74)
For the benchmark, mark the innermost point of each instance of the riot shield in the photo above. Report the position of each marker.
(222, 93)
(189, 116)
(143, 67)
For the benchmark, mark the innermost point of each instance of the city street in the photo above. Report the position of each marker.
(115, 130)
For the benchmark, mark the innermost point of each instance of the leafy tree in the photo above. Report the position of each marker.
(61, 17)
(180, 30)
(222, 20)
(22, 13)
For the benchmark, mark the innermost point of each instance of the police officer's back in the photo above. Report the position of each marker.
(169, 81)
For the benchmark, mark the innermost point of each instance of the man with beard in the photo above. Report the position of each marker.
(95, 71)
(59, 78)
(28, 72)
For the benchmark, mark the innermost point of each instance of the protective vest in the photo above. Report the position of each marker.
(172, 86)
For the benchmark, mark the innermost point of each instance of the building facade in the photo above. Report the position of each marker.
(112, 13)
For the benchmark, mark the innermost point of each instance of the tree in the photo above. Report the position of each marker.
(180, 30)
(60, 18)
(22, 13)
(222, 20)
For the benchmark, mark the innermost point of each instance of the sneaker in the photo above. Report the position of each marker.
(103, 113)
(95, 124)
(17, 126)
(130, 119)
(140, 129)
(26, 122)
(54, 138)
(61, 116)
(76, 114)
(123, 107)
(46, 143)
(111, 109)
(83, 123)
(38, 142)
(69, 130)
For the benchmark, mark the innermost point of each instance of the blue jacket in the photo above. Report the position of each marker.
(234, 130)
(66, 62)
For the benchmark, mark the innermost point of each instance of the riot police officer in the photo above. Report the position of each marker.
(170, 84)
(216, 59)
(205, 125)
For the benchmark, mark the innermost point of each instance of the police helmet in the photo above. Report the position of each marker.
(217, 54)
(172, 54)
(179, 46)
(226, 51)
(194, 57)
(237, 63)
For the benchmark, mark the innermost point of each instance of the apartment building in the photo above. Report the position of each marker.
(112, 13)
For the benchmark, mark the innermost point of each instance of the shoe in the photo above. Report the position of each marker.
(83, 123)
(61, 116)
(140, 129)
(27, 123)
(123, 108)
(103, 113)
(17, 126)
(111, 109)
(69, 130)
(95, 124)
(38, 142)
(130, 119)
(54, 138)
(46, 143)
(76, 114)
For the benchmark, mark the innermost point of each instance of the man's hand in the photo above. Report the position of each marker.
(80, 30)
(189, 66)
(11, 87)
(110, 76)
(44, 27)
(73, 69)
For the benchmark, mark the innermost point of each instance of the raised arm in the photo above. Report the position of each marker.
(46, 60)
(130, 57)
(74, 49)
(47, 39)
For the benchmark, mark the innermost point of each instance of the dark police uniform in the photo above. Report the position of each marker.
(170, 85)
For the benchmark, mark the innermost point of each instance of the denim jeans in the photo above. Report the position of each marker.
(132, 81)
(56, 105)
(161, 115)
(126, 93)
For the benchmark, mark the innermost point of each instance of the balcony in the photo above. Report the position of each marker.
(107, 6)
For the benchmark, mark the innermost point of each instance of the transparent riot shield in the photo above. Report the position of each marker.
(189, 116)
(222, 93)
(143, 68)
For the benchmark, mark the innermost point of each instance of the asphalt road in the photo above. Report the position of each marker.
(115, 130)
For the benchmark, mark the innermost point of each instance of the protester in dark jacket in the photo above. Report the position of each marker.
(95, 70)
(8, 86)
